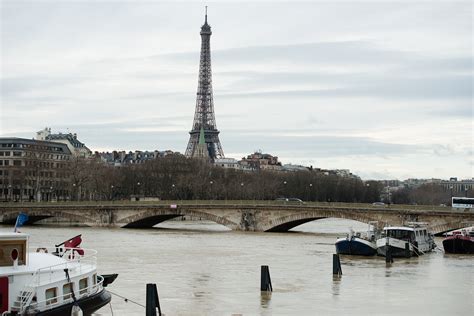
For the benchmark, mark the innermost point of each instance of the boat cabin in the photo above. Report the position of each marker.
(401, 233)
(13, 249)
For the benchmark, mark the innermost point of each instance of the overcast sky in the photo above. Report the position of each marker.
(381, 88)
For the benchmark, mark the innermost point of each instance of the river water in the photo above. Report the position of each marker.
(202, 268)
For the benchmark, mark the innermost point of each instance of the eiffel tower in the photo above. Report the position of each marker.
(204, 115)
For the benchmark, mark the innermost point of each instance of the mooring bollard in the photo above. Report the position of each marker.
(407, 250)
(152, 301)
(336, 265)
(265, 280)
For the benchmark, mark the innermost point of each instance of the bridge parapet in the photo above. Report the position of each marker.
(245, 217)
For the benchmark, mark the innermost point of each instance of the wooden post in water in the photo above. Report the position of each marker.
(152, 301)
(407, 250)
(336, 265)
(265, 280)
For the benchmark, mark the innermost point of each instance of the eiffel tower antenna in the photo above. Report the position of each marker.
(204, 114)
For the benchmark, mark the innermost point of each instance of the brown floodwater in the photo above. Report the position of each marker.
(202, 268)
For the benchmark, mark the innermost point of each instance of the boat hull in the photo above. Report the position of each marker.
(459, 244)
(355, 246)
(398, 248)
(88, 305)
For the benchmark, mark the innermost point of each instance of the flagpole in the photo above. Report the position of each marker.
(16, 223)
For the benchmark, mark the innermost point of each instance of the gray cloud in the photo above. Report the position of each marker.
(302, 81)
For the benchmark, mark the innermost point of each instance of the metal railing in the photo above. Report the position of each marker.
(74, 263)
(59, 300)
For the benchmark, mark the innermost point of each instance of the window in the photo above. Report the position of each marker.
(17, 162)
(83, 286)
(94, 279)
(17, 153)
(51, 296)
(67, 291)
(6, 162)
(7, 153)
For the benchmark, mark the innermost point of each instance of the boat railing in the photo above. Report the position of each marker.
(66, 298)
(75, 263)
(78, 261)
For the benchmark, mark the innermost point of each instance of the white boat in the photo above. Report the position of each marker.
(406, 241)
(46, 281)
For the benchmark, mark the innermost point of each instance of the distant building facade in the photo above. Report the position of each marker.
(33, 170)
(123, 158)
(458, 186)
(77, 148)
(260, 161)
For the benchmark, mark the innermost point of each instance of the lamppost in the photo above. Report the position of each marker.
(284, 189)
(451, 188)
(310, 191)
(241, 192)
(210, 189)
(74, 190)
(465, 191)
(112, 192)
(10, 192)
(173, 192)
(50, 194)
(388, 195)
(139, 192)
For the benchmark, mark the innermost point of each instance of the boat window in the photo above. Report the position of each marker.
(83, 286)
(67, 291)
(51, 296)
(94, 278)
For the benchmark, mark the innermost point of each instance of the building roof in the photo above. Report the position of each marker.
(25, 141)
(72, 138)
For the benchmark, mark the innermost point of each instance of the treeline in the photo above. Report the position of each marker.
(175, 177)
(426, 194)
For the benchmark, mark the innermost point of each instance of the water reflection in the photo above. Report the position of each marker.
(336, 284)
(265, 299)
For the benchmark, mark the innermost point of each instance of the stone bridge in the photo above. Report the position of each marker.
(244, 217)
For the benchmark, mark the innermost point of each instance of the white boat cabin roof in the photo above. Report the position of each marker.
(405, 228)
(11, 235)
(36, 261)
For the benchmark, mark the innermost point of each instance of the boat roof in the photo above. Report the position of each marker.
(12, 235)
(399, 228)
(36, 260)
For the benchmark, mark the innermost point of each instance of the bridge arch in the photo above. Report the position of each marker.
(150, 218)
(440, 229)
(285, 223)
(37, 215)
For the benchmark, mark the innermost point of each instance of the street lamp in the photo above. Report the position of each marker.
(310, 191)
(241, 192)
(388, 195)
(51, 193)
(10, 193)
(112, 192)
(284, 189)
(74, 190)
(451, 188)
(172, 191)
(210, 189)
